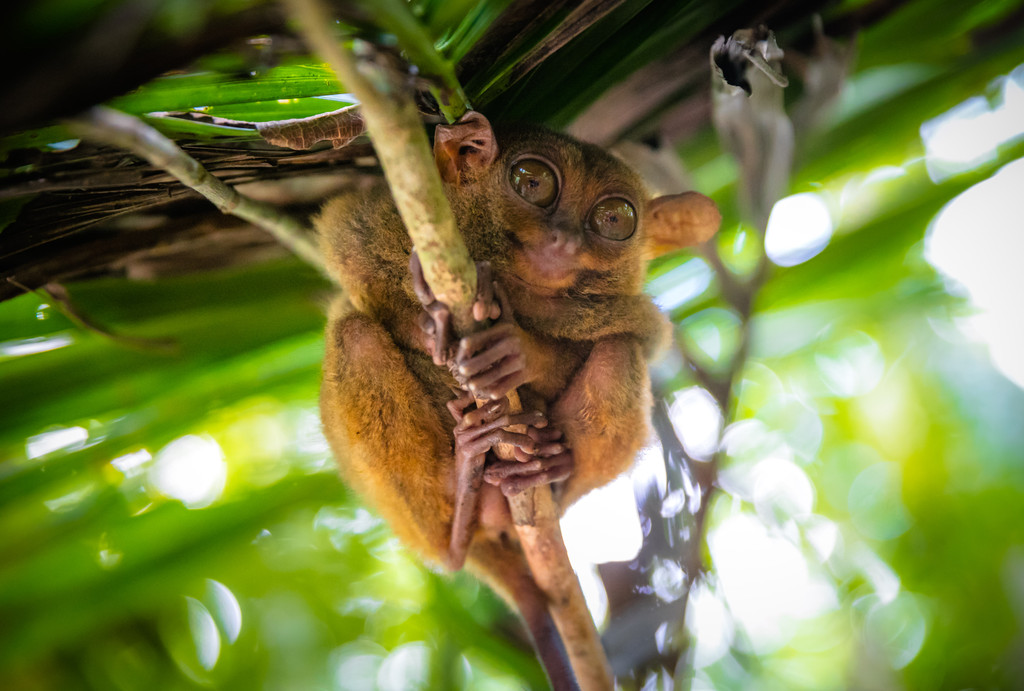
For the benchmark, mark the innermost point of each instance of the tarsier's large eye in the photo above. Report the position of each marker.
(534, 181)
(613, 218)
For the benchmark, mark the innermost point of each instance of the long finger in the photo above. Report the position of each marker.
(504, 436)
(484, 292)
(475, 446)
(496, 471)
(497, 351)
(495, 306)
(442, 335)
(457, 406)
(502, 386)
(419, 283)
(495, 418)
(543, 451)
(547, 450)
(543, 433)
(471, 344)
(503, 301)
(502, 369)
(517, 483)
(489, 413)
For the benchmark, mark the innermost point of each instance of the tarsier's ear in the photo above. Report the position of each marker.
(679, 220)
(462, 149)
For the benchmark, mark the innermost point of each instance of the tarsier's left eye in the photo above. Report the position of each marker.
(613, 218)
(534, 181)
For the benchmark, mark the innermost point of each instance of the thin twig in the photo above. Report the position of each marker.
(114, 128)
(58, 296)
(760, 149)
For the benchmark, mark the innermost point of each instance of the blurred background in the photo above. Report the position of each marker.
(834, 496)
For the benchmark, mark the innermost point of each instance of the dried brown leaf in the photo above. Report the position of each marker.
(339, 127)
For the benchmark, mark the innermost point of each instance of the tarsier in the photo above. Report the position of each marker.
(562, 231)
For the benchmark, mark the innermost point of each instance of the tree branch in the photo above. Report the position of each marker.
(752, 124)
(396, 17)
(114, 128)
(395, 127)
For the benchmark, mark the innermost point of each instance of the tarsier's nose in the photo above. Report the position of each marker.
(564, 241)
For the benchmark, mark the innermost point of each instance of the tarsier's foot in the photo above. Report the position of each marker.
(435, 322)
(550, 461)
(492, 362)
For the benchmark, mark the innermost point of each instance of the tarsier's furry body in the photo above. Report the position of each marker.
(581, 328)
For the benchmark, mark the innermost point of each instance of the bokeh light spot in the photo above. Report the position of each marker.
(799, 227)
(60, 439)
(678, 286)
(697, 421)
(977, 241)
(852, 366)
(204, 633)
(970, 134)
(898, 627)
(668, 579)
(225, 609)
(766, 581)
(356, 665)
(405, 668)
(876, 503)
(107, 556)
(604, 525)
(190, 469)
(782, 491)
(132, 464)
(709, 622)
(36, 344)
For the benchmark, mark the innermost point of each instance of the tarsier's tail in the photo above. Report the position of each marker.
(504, 568)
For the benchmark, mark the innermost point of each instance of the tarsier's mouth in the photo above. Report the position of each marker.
(537, 288)
(549, 265)
(544, 278)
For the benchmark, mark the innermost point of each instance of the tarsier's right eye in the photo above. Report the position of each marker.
(534, 181)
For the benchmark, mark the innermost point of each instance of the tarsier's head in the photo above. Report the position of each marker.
(574, 218)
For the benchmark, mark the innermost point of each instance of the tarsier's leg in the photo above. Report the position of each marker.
(392, 444)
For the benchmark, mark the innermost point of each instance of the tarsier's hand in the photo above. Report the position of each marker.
(435, 321)
(492, 362)
(549, 460)
(477, 431)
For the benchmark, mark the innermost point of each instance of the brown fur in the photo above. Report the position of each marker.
(587, 334)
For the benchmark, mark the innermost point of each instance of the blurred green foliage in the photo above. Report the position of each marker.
(877, 462)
